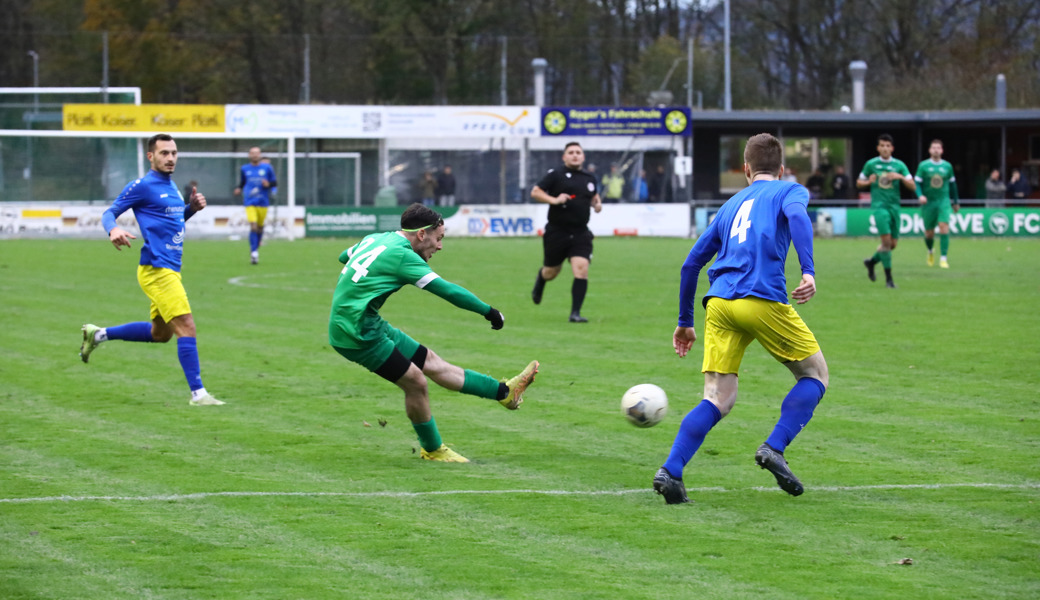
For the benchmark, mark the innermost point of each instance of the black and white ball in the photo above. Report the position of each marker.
(644, 405)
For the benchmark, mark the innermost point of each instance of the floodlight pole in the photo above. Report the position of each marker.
(104, 67)
(729, 78)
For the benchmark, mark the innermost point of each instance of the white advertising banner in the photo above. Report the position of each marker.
(383, 121)
(502, 220)
(227, 222)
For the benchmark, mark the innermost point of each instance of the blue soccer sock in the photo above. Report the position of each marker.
(796, 411)
(188, 354)
(254, 241)
(695, 425)
(140, 331)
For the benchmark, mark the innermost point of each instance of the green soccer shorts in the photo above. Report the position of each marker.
(378, 346)
(934, 213)
(886, 219)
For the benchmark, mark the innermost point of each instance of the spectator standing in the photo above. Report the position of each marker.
(815, 185)
(640, 189)
(1018, 188)
(428, 187)
(613, 186)
(446, 187)
(995, 189)
(840, 184)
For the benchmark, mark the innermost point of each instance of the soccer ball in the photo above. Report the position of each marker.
(644, 405)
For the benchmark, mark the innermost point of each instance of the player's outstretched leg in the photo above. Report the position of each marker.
(518, 385)
(774, 462)
(93, 336)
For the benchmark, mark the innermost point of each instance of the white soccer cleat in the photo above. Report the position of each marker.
(204, 400)
(89, 341)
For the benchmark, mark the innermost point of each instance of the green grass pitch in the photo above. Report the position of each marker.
(926, 446)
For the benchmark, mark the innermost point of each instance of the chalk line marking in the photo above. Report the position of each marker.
(647, 490)
(243, 281)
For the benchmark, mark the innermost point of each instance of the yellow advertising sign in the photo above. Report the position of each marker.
(165, 118)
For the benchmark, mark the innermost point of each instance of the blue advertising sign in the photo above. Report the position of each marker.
(572, 121)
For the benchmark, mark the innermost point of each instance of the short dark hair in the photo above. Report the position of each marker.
(569, 144)
(884, 137)
(935, 141)
(159, 137)
(418, 216)
(764, 154)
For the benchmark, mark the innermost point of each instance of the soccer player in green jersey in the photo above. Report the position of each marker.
(881, 175)
(936, 186)
(375, 268)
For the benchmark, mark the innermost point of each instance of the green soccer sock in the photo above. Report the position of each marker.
(429, 437)
(876, 258)
(480, 385)
(886, 259)
(930, 242)
(944, 243)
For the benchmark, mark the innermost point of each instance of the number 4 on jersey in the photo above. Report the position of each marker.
(360, 262)
(742, 221)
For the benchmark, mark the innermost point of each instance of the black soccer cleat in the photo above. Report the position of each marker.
(577, 318)
(672, 489)
(890, 284)
(774, 462)
(869, 264)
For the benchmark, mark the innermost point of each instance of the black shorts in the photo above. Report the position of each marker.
(560, 245)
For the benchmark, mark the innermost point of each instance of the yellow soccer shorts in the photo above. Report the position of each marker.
(256, 214)
(730, 325)
(164, 288)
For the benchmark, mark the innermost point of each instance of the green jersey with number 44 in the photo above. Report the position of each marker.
(375, 268)
(884, 192)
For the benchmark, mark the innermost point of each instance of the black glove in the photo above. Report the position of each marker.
(496, 318)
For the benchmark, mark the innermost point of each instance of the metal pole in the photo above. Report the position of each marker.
(539, 65)
(1003, 151)
(858, 69)
(729, 90)
(290, 198)
(36, 79)
(1001, 100)
(36, 109)
(689, 104)
(502, 173)
(505, 62)
(104, 67)
(306, 99)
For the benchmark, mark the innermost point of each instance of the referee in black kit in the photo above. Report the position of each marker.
(570, 193)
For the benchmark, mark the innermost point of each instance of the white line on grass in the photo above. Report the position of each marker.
(241, 281)
(204, 495)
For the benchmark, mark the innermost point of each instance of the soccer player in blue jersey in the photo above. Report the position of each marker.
(160, 211)
(256, 182)
(747, 301)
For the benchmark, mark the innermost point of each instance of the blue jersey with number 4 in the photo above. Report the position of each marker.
(751, 234)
